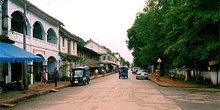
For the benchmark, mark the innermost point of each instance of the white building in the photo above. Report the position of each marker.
(42, 36)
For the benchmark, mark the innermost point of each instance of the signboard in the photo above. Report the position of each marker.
(159, 60)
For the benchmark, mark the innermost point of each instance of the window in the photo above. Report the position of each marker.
(63, 40)
(73, 45)
(104, 57)
(69, 47)
(17, 22)
(37, 31)
(51, 36)
(78, 72)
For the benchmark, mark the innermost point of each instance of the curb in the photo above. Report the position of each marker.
(174, 85)
(12, 102)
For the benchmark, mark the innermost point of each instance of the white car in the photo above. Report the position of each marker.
(142, 75)
(134, 70)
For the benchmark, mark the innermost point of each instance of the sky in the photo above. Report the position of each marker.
(104, 21)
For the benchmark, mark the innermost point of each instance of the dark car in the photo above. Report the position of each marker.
(80, 75)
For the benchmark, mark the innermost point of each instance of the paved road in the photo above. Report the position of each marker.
(107, 93)
(193, 98)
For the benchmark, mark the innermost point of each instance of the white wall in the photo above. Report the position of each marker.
(35, 46)
(97, 48)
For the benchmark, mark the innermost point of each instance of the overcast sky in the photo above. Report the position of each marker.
(104, 21)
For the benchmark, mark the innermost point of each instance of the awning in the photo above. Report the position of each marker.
(91, 63)
(12, 53)
(69, 57)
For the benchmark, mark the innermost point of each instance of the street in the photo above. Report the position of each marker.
(112, 93)
(193, 98)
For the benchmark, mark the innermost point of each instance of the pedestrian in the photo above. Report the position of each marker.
(43, 77)
(96, 73)
(103, 72)
(158, 74)
(55, 76)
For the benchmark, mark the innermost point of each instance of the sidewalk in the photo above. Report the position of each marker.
(166, 82)
(10, 98)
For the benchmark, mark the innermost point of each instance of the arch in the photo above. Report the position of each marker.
(51, 36)
(17, 21)
(40, 56)
(37, 68)
(51, 63)
(38, 31)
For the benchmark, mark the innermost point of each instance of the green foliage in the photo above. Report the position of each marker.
(180, 32)
(107, 71)
(50, 77)
(64, 78)
(124, 62)
(81, 60)
(63, 69)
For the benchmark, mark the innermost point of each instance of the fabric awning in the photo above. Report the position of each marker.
(12, 53)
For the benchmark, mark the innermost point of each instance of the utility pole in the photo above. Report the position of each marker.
(24, 72)
(1, 11)
(219, 54)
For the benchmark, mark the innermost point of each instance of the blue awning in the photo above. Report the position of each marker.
(12, 53)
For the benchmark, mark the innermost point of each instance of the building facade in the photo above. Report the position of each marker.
(67, 51)
(41, 37)
(107, 59)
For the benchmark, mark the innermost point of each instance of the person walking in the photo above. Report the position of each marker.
(96, 73)
(55, 76)
(43, 77)
(158, 74)
(103, 72)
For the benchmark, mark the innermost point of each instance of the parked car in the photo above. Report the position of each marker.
(142, 75)
(134, 70)
(80, 75)
(139, 71)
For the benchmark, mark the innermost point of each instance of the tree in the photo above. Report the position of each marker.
(182, 32)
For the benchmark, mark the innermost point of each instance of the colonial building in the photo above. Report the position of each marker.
(33, 30)
(68, 51)
(118, 59)
(87, 56)
(107, 59)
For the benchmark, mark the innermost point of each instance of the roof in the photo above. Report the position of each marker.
(90, 40)
(68, 34)
(34, 9)
(12, 53)
(91, 63)
(88, 50)
(81, 67)
(69, 57)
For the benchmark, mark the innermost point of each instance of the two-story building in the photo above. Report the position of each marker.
(107, 59)
(46, 38)
(68, 51)
(41, 36)
(87, 56)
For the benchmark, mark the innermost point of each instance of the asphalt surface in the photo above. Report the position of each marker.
(10, 98)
